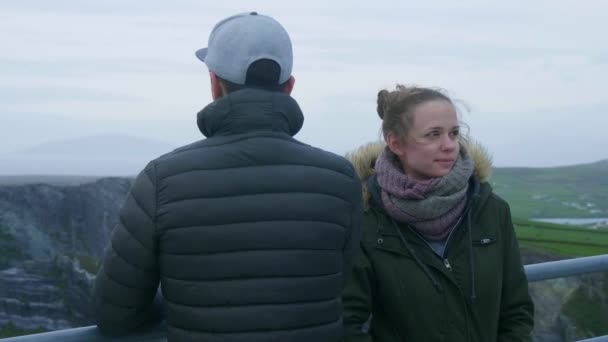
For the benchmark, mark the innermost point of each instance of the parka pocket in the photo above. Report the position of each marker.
(488, 262)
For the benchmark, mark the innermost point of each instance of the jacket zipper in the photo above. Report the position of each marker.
(446, 262)
(446, 241)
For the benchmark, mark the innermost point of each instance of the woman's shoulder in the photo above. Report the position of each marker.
(374, 221)
(371, 219)
(491, 211)
(491, 198)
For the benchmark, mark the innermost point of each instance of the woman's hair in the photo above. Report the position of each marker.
(396, 107)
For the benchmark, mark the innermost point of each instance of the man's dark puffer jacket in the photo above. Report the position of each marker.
(249, 232)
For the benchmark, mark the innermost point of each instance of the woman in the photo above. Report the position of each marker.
(439, 260)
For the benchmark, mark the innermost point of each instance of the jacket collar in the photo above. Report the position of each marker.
(249, 110)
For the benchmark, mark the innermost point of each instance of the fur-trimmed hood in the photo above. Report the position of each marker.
(364, 158)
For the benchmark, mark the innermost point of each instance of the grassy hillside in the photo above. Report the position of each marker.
(11, 331)
(561, 239)
(570, 191)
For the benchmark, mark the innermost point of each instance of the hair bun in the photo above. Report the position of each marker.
(382, 95)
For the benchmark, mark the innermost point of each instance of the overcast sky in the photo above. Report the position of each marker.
(533, 73)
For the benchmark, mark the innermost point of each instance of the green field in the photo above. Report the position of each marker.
(561, 239)
(556, 192)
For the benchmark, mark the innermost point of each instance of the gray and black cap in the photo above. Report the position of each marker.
(242, 39)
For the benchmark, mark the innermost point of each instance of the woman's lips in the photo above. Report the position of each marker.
(445, 162)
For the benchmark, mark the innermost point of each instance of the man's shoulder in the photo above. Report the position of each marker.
(186, 151)
(176, 156)
(281, 150)
(332, 160)
(185, 148)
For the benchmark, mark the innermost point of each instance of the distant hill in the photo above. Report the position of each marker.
(566, 191)
(45, 179)
(577, 191)
(111, 145)
(103, 155)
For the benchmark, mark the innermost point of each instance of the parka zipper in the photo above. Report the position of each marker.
(446, 241)
(446, 262)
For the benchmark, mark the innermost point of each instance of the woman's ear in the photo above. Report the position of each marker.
(396, 144)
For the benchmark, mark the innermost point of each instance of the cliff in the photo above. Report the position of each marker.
(51, 238)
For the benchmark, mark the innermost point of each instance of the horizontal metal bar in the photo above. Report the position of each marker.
(534, 272)
(92, 334)
(566, 268)
(157, 334)
(596, 339)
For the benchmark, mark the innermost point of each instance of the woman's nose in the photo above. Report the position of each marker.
(448, 142)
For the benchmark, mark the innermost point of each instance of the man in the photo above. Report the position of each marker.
(249, 232)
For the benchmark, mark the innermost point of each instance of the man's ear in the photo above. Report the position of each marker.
(217, 89)
(289, 86)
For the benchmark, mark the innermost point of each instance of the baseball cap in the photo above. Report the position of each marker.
(242, 39)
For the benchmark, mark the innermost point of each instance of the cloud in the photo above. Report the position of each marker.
(23, 130)
(120, 66)
(114, 7)
(45, 95)
(544, 137)
(82, 68)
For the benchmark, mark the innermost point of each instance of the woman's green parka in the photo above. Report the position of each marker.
(476, 292)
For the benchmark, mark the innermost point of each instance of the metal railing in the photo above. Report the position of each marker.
(534, 272)
(91, 334)
(566, 268)
(597, 339)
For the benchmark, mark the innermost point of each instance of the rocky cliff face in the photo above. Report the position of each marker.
(51, 238)
(568, 309)
(43, 295)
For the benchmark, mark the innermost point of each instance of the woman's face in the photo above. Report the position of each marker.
(431, 146)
